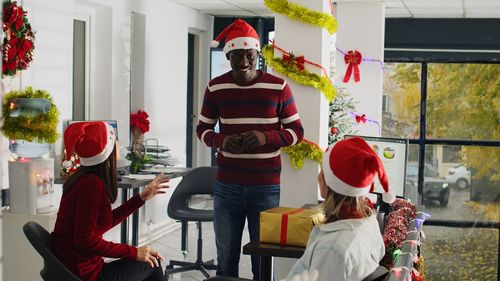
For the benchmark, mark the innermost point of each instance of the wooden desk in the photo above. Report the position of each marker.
(128, 184)
(267, 251)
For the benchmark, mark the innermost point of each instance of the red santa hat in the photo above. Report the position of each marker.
(350, 166)
(239, 35)
(93, 142)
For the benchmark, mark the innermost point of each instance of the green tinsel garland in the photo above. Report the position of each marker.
(303, 77)
(302, 14)
(40, 128)
(301, 151)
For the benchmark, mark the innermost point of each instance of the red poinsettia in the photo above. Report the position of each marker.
(140, 121)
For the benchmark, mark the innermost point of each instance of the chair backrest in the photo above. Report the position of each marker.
(53, 269)
(200, 181)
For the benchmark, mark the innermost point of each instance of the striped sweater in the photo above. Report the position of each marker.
(266, 105)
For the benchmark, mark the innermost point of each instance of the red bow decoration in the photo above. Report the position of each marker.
(353, 58)
(290, 58)
(361, 118)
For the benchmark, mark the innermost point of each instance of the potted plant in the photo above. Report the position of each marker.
(139, 125)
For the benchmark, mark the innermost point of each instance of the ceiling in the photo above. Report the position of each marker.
(393, 8)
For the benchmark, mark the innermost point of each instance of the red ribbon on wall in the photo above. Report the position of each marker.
(284, 224)
(361, 118)
(305, 60)
(353, 58)
(290, 58)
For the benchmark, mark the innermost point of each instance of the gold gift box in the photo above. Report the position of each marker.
(287, 226)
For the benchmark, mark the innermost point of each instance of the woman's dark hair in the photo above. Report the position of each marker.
(106, 171)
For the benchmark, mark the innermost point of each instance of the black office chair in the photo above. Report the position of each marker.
(53, 269)
(199, 181)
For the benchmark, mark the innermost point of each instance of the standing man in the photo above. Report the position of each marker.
(257, 116)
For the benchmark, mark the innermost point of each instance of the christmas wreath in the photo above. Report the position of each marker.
(17, 46)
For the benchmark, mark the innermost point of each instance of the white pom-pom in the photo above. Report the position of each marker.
(215, 44)
(67, 164)
(388, 197)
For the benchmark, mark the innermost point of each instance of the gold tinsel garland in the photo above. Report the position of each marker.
(304, 149)
(303, 77)
(302, 14)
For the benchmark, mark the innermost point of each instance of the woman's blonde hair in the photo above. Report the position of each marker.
(332, 206)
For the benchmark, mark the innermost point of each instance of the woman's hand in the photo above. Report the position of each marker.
(153, 188)
(148, 255)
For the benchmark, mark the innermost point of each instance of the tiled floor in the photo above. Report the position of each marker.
(169, 247)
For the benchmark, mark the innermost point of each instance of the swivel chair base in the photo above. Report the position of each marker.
(199, 264)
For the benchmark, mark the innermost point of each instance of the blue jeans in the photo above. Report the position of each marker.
(232, 204)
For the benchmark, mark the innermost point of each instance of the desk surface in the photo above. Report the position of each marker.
(274, 250)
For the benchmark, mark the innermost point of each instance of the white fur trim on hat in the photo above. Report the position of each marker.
(242, 43)
(388, 197)
(67, 164)
(336, 184)
(214, 44)
(101, 157)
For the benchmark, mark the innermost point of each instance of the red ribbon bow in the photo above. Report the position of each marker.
(361, 118)
(353, 58)
(290, 58)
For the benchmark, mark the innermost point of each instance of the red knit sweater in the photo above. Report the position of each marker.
(84, 215)
(266, 105)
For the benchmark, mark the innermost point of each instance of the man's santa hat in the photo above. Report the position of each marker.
(350, 166)
(239, 35)
(93, 142)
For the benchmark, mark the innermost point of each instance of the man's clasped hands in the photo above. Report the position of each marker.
(239, 143)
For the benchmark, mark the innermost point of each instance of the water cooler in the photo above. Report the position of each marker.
(31, 184)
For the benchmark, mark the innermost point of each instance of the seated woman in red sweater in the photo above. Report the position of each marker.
(85, 212)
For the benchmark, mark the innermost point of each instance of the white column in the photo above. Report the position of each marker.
(361, 27)
(299, 187)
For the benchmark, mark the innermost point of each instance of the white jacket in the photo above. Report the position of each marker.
(343, 250)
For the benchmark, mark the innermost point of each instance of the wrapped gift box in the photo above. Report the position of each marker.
(287, 226)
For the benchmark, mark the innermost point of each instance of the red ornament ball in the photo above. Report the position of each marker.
(334, 130)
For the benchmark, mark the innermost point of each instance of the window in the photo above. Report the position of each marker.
(459, 160)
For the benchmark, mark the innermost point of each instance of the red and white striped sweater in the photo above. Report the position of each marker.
(266, 105)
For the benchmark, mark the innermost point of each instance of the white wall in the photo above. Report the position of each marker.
(167, 27)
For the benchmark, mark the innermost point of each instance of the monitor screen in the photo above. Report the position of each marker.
(393, 153)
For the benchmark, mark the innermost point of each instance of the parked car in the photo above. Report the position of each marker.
(458, 176)
(434, 188)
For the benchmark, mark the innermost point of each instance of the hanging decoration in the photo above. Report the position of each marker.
(291, 59)
(303, 77)
(304, 150)
(302, 14)
(352, 59)
(361, 118)
(17, 46)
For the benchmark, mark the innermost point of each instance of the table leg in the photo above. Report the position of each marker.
(266, 268)
(135, 223)
(124, 225)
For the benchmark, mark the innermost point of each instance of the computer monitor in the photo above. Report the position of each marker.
(394, 154)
